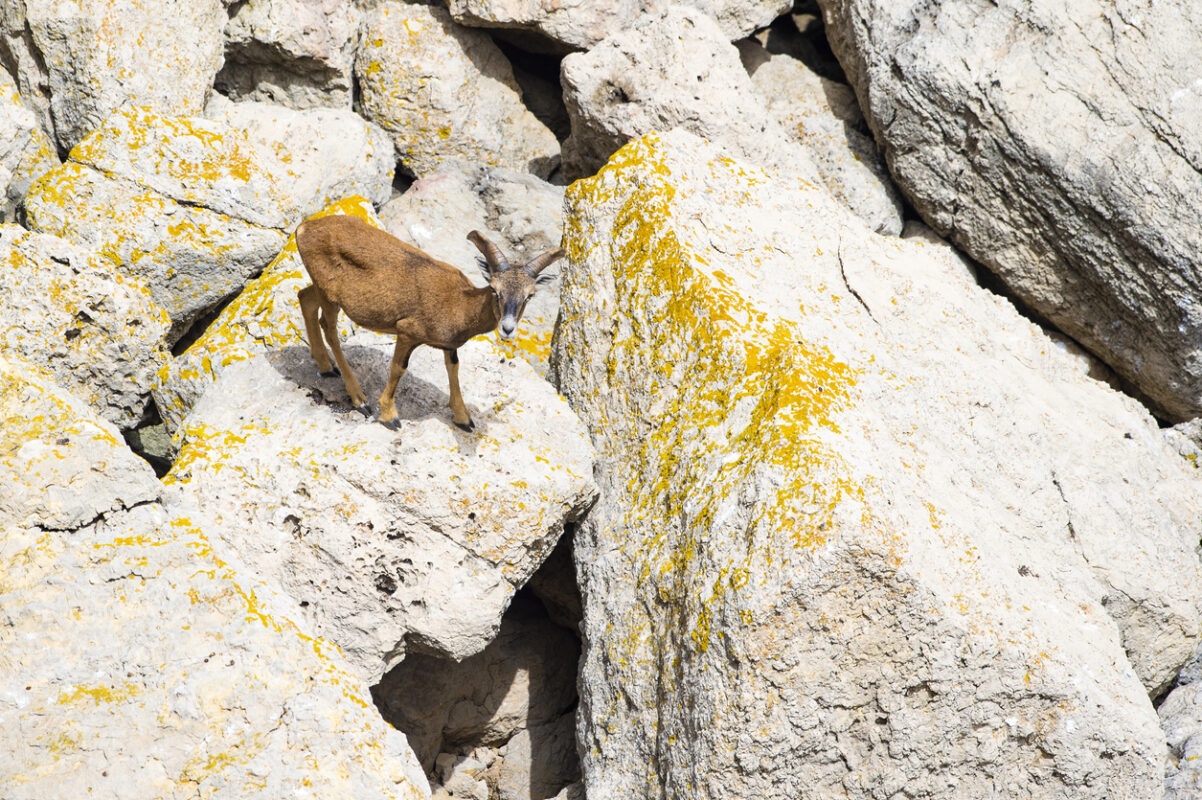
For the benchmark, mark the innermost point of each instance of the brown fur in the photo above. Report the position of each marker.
(393, 288)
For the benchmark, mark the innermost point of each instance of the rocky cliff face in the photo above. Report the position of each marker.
(788, 489)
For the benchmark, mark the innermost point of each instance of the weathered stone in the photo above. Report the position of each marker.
(78, 61)
(1181, 719)
(67, 311)
(296, 53)
(25, 150)
(524, 678)
(446, 94)
(669, 69)
(138, 660)
(539, 761)
(390, 542)
(264, 316)
(822, 115)
(1058, 145)
(862, 527)
(581, 25)
(521, 213)
(555, 585)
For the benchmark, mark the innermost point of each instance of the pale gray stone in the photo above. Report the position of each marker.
(539, 761)
(296, 53)
(26, 153)
(70, 313)
(77, 62)
(446, 94)
(862, 527)
(389, 542)
(1058, 144)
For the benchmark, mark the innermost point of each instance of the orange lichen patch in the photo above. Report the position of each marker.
(97, 694)
(732, 400)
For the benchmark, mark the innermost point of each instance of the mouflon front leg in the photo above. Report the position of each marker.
(459, 413)
(329, 326)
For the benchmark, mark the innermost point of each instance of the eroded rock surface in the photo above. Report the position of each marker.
(860, 525)
(26, 152)
(1058, 145)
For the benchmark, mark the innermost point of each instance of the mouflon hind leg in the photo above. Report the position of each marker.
(310, 302)
(329, 326)
(459, 413)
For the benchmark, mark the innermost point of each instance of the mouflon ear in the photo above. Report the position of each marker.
(492, 254)
(545, 278)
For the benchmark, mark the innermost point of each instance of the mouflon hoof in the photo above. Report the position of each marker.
(468, 426)
(392, 424)
(365, 410)
(332, 372)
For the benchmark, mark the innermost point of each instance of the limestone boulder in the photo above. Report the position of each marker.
(522, 214)
(863, 529)
(671, 68)
(67, 311)
(139, 659)
(539, 761)
(822, 115)
(446, 94)
(26, 152)
(581, 25)
(388, 542)
(295, 53)
(77, 62)
(264, 316)
(1056, 144)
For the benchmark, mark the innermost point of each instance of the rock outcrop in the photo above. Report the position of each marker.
(140, 660)
(446, 94)
(68, 312)
(26, 152)
(77, 62)
(858, 527)
(1057, 145)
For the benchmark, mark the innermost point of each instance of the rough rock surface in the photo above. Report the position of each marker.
(822, 115)
(196, 207)
(264, 316)
(76, 62)
(389, 542)
(579, 25)
(68, 312)
(539, 760)
(295, 53)
(863, 528)
(524, 678)
(446, 94)
(25, 150)
(1058, 145)
(138, 660)
(522, 214)
(670, 69)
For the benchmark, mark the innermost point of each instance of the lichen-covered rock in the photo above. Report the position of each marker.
(672, 68)
(522, 214)
(296, 53)
(67, 311)
(1056, 143)
(139, 661)
(196, 207)
(581, 25)
(78, 61)
(822, 115)
(25, 150)
(446, 94)
(264, 316)
(388, 542)
(863, 528)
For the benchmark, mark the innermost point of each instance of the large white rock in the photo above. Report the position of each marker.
(822, 115)
(78, 61)
(66, 310)
(296, 53)
(581, 25)
(196, 207)
(446, 94)
(1056, 143)
(139, 659)
(25, 150)
(522, 214)
(864, 530)
(388, 542)
(671, 68)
